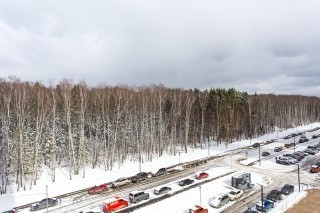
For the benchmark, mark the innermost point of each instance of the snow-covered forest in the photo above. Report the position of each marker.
(73, 125)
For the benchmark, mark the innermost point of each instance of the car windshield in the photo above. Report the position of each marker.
(233, 192)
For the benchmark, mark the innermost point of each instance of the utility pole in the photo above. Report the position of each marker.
(139, 157)
(47, 196)
(299, 176)
(262, 197)
(200, 193)
(259, 156)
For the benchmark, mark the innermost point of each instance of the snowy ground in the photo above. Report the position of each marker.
(97, 176)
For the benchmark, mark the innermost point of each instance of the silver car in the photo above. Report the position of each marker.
(121, 182)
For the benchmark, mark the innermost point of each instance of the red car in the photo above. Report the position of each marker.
(97, 189)
(314, 169)
(202, 175)
(198, 209)
(114, 204)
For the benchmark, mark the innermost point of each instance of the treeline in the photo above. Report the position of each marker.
(72, 125)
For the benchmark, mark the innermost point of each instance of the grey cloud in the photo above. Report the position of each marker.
(256, 46)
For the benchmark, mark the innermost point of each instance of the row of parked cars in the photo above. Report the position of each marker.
(218, 201)
(117, 203)
(120, 182)
(291, 158)
(272, 197)
(123, 181)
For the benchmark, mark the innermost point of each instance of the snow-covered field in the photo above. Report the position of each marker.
(98, 175)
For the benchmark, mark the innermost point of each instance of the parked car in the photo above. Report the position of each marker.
(311, 151)
(298, 155)
(265, 154)
(291, 160)
(114, 204)
(10, 211)
(255, 145)
(162, 190)
(139, 177)
(219, 200)
(314, 169)
(278, 149)
(235, 194)
(267, 205)
(43, 204)
(185, 182)
(302, 140)
(121, 182)
(162, 171)
(287, 145)
(314, 136)
(198, 209)
(303, 154)
(137, 196)
(274, 195)
(97, 189)
(287, 189)
(282, 161)
(201, 175)
(287, 137)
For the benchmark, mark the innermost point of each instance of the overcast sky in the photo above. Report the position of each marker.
(264, 46)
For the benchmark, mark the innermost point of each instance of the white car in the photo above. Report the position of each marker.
(235, 194)
(219, 200)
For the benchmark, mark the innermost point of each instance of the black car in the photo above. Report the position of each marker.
(274, 195)
(314, 136)
(161, 171)
(277, 149)
(287, 189)
(162, 190)
(302, 140)
(265, 154)
(139, 177)
(255, 145)
(43, 204)
(185, 182)
(282, 161)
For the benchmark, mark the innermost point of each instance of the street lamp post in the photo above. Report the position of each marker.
(261, 196)
(259, 156)
(299, 176)
(200, 193)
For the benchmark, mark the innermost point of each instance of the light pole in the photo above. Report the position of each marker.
(200, 193)
(299, 176)
(259, 156)
(261, 196)
(179, 157)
